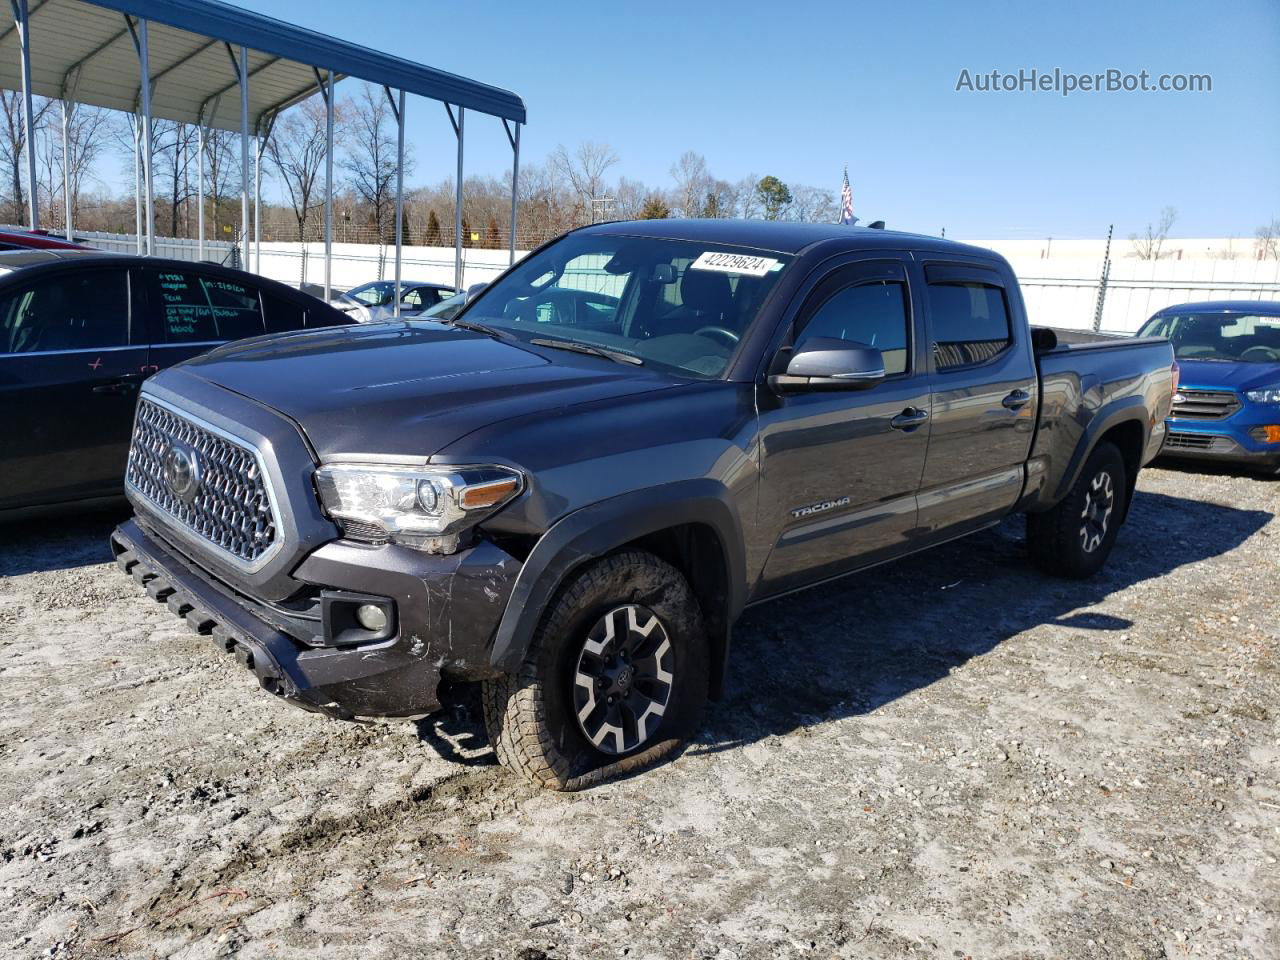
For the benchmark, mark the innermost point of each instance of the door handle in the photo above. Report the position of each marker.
(909, 419)
(123, 387)
(1016, 400)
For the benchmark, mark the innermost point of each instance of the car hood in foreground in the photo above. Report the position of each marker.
(408, 389)
(1222, 375)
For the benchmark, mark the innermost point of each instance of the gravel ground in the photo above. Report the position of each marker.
(951, 756)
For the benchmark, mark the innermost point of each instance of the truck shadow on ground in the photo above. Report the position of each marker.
(854, 645)
(849, 647)
(41, 544)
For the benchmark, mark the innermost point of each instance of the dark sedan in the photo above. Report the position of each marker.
(79, 331)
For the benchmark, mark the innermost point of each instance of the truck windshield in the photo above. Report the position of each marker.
(672, 304)
(1236, 337)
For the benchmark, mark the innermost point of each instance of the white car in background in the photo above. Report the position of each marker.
(375, 301)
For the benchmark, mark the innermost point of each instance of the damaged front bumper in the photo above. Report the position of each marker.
(446, 610)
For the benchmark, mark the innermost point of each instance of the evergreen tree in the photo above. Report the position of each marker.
(435, 237)
(655, 208)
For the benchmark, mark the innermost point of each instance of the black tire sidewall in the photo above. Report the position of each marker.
(633, 578)
(1079, 561)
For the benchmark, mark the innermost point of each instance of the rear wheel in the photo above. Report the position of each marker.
(1075, 538)
(615, 679)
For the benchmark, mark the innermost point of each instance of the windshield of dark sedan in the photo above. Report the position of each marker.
(1239, 337)
(674, 304)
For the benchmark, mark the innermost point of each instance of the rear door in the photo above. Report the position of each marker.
(840, 470)
(985, 399)
(191, 310)
(70, 366)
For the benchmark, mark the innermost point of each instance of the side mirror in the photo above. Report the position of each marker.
(473, 291)
(825, 363)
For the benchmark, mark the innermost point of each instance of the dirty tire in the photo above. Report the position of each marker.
(1066, 541)
(530, 715)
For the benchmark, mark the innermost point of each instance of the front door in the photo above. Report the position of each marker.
(840, 470)
(69, 376)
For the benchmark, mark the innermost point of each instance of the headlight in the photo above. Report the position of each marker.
(421, 507)
(1264, 396)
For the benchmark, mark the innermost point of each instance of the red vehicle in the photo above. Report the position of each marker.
(26, 240)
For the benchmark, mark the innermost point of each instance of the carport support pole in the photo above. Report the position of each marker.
(515, 189)
(457, 209)
(200, 188)
(145, 69)
(244, 157)
(257, 201)
(399, 194)
(66, 168)
(22, 22)
(137, 183)
(328, 187)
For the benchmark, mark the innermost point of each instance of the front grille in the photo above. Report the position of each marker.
(229, 505)
(1204, 404)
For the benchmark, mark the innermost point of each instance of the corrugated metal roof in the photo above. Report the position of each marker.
(82, 50)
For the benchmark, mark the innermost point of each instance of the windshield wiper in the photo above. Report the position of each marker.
(617, 356)
(475, 327)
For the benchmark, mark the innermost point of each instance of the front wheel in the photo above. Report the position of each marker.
(615, 679)
(1075, 538)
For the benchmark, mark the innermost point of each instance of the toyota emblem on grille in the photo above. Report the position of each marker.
(181, 472)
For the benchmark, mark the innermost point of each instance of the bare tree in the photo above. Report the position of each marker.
(693, 183)
(1268, 240)
(813, 205)
(584, 169)
(1147, 246)
(296, 151)
(174, 168)
(222, 171)
(13, 143)
(370, 158)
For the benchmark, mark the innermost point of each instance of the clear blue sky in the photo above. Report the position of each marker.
(800, 89)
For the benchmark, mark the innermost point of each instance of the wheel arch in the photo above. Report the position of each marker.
(692, 525)
(1125, 423)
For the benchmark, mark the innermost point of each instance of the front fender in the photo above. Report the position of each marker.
(594, 531)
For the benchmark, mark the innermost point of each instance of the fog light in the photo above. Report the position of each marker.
(1267, 434)
(372, 617)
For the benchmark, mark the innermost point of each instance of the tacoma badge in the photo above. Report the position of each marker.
(813, 508)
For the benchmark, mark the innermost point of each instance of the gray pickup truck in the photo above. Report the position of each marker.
(570, 491)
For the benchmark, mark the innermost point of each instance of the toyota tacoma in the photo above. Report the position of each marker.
(571, 490)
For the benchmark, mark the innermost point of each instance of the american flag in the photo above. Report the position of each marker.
(846, 202)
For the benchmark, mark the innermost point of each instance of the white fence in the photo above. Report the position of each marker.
(1060, 291)
(1063, 292)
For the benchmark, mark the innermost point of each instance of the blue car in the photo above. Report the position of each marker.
(1227, 406)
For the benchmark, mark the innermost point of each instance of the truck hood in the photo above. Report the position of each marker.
(1219, 375)
(409, 388)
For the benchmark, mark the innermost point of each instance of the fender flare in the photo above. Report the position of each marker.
(592, 531)
(1119, 411)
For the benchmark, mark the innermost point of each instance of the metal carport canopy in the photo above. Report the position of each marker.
(218, 66)
(189, 65)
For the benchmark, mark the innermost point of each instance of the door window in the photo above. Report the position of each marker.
(80, 311)
(970, 322)
(195, 308)
(873, 313)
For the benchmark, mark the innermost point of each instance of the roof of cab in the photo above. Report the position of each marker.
(780, 236)
(1266, 308)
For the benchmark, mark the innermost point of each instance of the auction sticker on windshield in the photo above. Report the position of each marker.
(734, 263)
